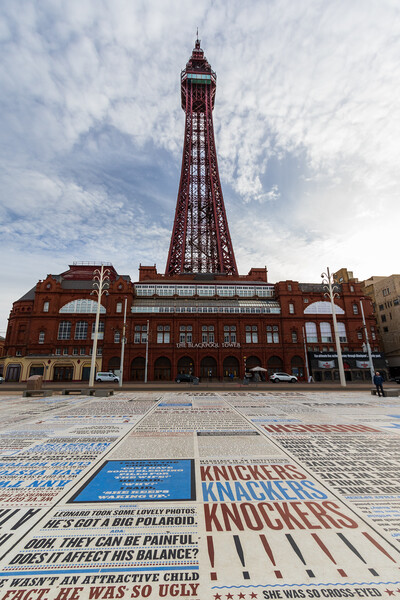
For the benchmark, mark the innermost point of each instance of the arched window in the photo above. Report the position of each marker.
(64, 330)
(342, 332)
(322, 308)
(326, 333)
(82, 305)
(311, 332)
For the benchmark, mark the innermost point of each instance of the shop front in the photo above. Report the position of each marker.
(324, 366)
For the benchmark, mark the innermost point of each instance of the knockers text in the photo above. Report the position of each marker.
(266, 497)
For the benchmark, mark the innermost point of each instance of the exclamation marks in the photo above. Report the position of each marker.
(356, 552)
(211, 554)
(268, 550)
(239, 550)
(327, 552)
(375, 543)
(299, 554)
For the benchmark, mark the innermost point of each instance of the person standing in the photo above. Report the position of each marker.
(378, 381)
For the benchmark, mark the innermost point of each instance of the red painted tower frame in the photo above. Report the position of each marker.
(200, 241)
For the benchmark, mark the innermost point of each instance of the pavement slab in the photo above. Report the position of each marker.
(202, 495)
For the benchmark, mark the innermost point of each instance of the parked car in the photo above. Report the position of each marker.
(110, 377)
(277, 377)
(1, 379)
(187, 378)
(396, 379)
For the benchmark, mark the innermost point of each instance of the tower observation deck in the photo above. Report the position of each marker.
(200, 241)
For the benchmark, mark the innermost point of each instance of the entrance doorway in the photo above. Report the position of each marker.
(297, 367)
(186, 365)
(208, 368)
(63, 373)
(137, 369)
(162, 369)
(13, 372)
(231, 367)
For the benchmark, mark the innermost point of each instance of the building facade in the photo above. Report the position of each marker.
(209, 325)
(385, 295)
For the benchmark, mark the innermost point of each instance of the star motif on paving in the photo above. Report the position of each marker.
(229, 596)
(390, 592)
(253, 595)
(217, 596)
(241, 596)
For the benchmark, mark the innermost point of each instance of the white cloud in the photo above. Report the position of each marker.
(307, 122)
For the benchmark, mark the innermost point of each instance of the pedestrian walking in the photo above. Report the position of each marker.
(378, 381)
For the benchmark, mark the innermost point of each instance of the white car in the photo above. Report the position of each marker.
(1, 379)
(277, 377)
(110, 377)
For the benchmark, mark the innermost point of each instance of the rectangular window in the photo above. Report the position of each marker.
(41, 337)
(64, 330)
(230, 334)
(272, 334)
(359, 335)
(294, 337)
(46, 306)
(291, 308)
(251, 334)
(82, 351)
(81, 328)
(58, 351)
(386, 291)
(185, 334)
(206, 290)
(65, 351)
(75, 351)
(226, 290)
(100, 334)
(163, 334)
(355, 309)
(383, 318)
(118, 307)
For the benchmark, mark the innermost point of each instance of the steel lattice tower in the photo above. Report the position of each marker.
(200, 241)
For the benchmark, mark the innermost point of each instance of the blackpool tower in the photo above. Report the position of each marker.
(200, 241)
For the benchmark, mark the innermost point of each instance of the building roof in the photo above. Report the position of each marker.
(29, 295)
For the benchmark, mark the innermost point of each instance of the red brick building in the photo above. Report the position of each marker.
(210, 325)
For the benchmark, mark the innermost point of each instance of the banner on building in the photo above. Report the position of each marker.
(362, 364)
(326, 364)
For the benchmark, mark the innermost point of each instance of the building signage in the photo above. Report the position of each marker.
(208, 345)
(349, 355)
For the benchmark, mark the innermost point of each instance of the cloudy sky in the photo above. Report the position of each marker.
(307, 122)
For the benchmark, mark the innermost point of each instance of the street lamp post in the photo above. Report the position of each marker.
(101, 281)
(371, 364)
(305, 356)
(332, 293)
(121, 367)
(147, 353)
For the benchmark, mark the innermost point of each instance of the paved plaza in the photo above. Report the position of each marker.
(204, 495)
